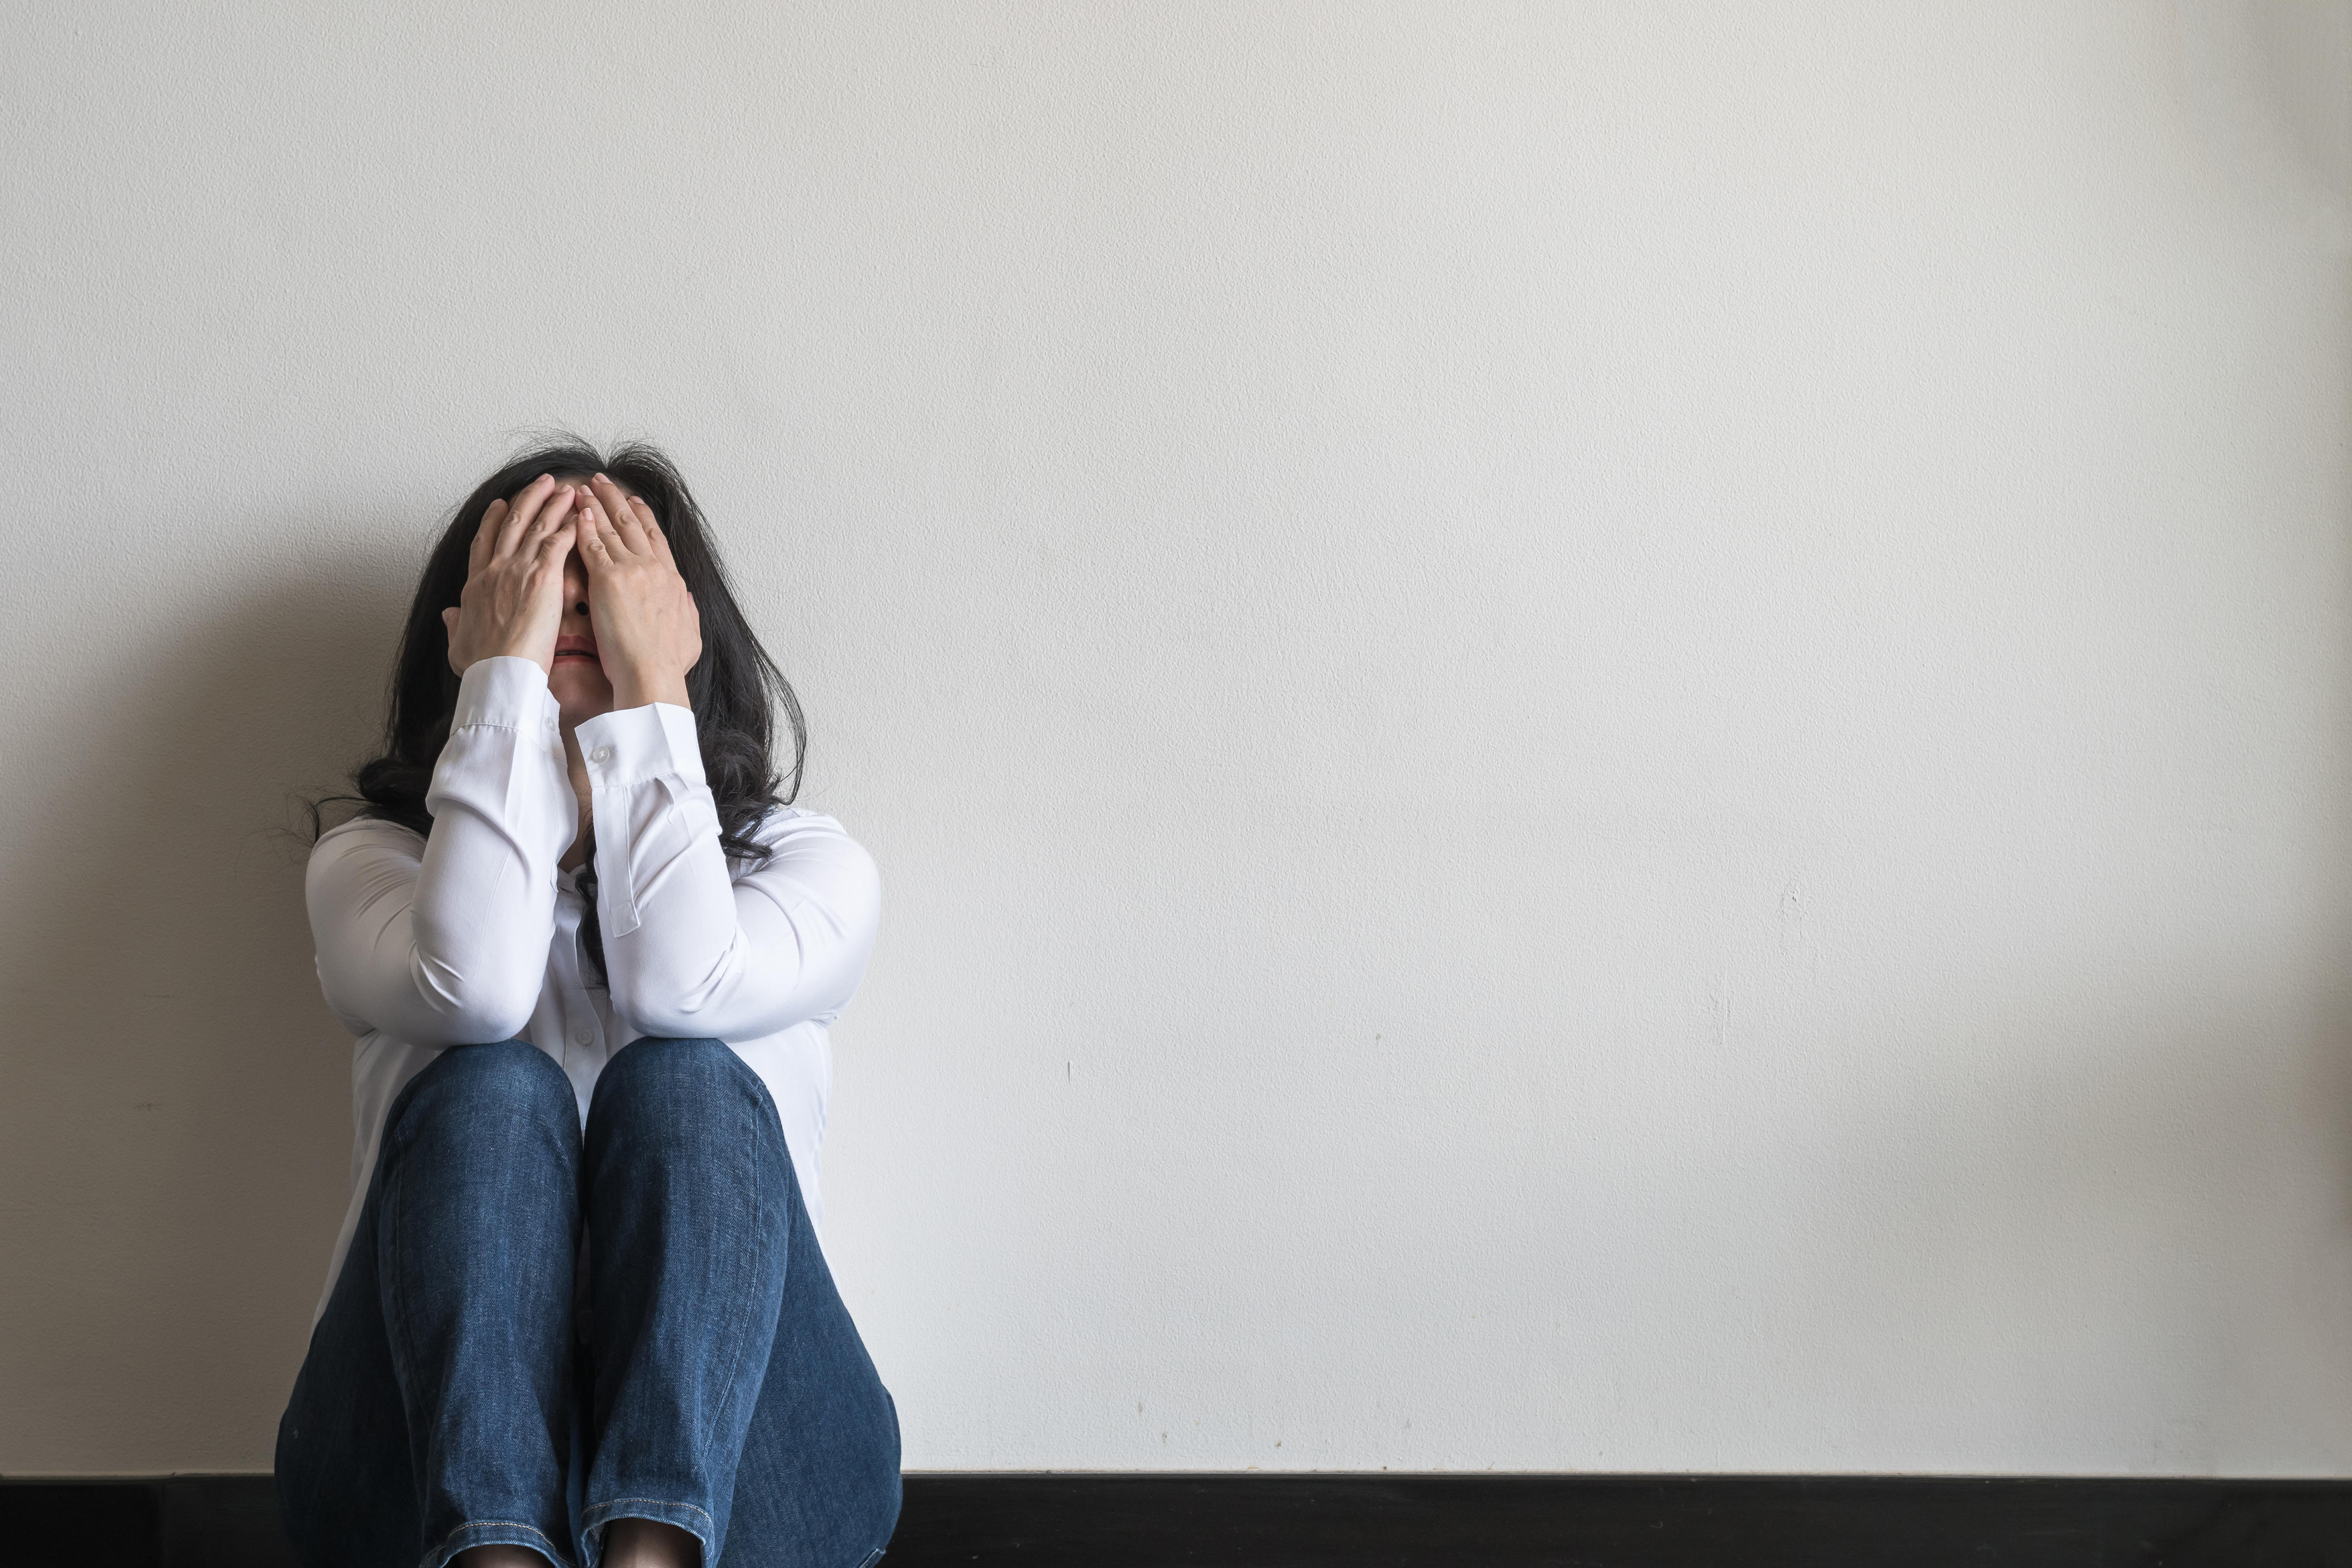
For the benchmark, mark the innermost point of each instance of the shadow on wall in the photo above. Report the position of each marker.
(176, 1115)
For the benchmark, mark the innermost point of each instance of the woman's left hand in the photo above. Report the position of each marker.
(648, 632)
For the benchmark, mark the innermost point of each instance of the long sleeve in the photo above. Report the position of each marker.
(446, 942)
(689, 950)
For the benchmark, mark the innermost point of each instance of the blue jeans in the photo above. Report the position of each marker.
(706, 1375)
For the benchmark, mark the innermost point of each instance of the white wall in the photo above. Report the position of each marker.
(1602, 736)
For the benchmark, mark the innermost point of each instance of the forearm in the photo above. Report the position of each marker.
(451, 947)
(503, 811)
(690, 949)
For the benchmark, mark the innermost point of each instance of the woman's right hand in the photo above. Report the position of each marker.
(513, 601)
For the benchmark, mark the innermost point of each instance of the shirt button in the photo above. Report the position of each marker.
(582, 1034)
(602, 755)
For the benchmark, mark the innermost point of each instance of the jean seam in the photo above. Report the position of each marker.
(402, 1324)
(656, 1501)
(391, 1166)
(441, 1553)
(741, 1327)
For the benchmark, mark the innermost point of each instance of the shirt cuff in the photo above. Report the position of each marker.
(504, 694)
(636, 745)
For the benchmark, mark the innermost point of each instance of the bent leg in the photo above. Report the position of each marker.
(685, 1187)
(434, 1411)
(714, 1348)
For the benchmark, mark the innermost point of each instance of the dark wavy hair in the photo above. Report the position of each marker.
(735, 688)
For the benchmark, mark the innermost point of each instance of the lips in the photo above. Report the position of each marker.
(574, 647)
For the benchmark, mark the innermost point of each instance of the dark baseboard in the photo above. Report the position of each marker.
(1078, 1521)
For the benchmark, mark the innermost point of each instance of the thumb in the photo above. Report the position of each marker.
(449, 621)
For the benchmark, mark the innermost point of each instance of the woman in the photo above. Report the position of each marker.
(577, 1313)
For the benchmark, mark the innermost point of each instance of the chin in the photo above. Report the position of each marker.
(580, 688)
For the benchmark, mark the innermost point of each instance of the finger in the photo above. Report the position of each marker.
(450, 624)
(554, 545)
(544, 584)
(615, 508)
(592, 554)
(519, 516)
(660, 541)
(608, 534)
(486, 534)
(550, 518)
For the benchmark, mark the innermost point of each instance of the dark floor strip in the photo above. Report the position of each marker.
(1068, 1520)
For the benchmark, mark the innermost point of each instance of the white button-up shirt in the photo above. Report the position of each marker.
(473, 935)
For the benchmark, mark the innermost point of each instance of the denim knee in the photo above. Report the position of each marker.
(509, 1078)
(677, 1075)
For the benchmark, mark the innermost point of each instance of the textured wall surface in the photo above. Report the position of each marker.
(1602, 736)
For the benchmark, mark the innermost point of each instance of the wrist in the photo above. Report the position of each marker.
(545, 661)
(546, 665)
(637, 691)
